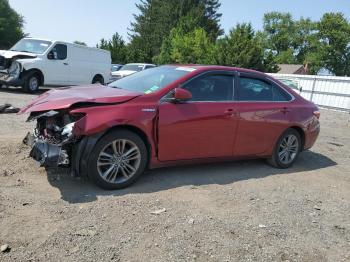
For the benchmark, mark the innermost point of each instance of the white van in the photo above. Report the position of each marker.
(34, 62)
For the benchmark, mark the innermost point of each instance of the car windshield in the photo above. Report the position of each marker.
(31, 46)
(132, 67)
(151, 80)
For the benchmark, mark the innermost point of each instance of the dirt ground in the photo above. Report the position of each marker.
(239, 211)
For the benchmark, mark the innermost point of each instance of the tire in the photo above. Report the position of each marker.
(115, 171)
(291, 149)
(98, 80)
(31, 83)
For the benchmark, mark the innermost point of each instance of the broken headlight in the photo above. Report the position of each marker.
(67, 130)
(15, 69)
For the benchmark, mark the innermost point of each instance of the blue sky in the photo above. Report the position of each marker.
(91, 20)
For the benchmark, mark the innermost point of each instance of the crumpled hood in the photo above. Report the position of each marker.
(123, 72)
(9, 54)
(65, 97)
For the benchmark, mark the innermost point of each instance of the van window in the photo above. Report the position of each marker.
(59, 51)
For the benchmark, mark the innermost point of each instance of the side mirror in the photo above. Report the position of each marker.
(50, 55)
(182, 95)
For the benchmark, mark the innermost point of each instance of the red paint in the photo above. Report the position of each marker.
(188, 132)
(66, 96)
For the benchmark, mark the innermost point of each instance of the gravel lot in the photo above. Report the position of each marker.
(239, 211)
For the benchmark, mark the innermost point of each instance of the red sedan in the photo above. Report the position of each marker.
(170, 115)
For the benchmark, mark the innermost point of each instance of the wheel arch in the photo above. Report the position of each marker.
(98, 75)
(137, 131)
(36, 71)
(302, 135)
(86, 145)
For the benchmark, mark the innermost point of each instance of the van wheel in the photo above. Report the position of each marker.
(31, 83)
(117, 160)
(286, 149)
(98, 80)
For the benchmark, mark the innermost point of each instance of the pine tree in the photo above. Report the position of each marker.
(157, 17)
(242, 48)
(11, 25)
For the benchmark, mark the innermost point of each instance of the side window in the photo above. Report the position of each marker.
(148, 66)
(211, 88)
(251, 89)
(59, 52)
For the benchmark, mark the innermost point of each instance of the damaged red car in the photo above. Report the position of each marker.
(174, 114)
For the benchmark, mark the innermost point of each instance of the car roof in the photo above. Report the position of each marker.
(139, 64)
(217, 67)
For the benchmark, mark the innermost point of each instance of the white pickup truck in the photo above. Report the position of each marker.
(34, 62)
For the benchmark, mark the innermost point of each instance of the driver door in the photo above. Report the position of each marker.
(203, 127)
(57, 68)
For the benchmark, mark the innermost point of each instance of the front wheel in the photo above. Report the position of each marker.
(31, 83)
(286, 149)
(117, 160)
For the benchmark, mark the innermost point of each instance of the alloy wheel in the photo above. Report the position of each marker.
(288, 149)
(118, 161)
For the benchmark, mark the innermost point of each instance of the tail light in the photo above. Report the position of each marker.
(317, 114)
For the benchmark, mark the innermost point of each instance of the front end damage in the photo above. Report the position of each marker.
(11, 69)
(53, 141)
(70, 121)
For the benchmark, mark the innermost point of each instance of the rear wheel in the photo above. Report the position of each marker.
(117, 160)
(31, 83)
(286, 149)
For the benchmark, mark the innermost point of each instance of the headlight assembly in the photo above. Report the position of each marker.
(15, 69)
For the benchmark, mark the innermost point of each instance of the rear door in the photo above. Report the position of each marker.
(57, 69)
(203, 127)
(264, 113)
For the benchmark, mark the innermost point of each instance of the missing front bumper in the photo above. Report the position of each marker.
(7, 80)
(48, 155)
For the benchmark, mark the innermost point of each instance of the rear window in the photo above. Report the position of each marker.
(252, 89)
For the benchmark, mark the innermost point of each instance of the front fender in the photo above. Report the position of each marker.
(102, 118)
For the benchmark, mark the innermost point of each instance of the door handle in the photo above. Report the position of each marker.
(65, 63)
(231, 112)
(285, 110)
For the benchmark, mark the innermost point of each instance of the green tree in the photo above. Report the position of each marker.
(79, 43)
(187, 43)
(116, 45)
(243, 48)
(334, 35)
(118, 49)
(292, 41)
(103, 44)
(156, 18)
(280, 33)
(188, 48)
(11, 25)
